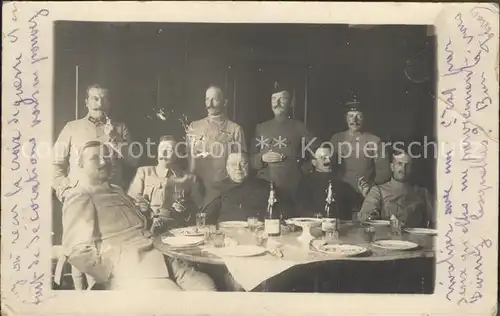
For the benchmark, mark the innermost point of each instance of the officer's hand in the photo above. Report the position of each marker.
(272, 157)
(363, 187)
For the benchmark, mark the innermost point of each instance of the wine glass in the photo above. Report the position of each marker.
(178, 194)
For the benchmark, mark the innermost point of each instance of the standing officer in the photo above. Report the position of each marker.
(360, 155)
(277, 150)
(212, 139)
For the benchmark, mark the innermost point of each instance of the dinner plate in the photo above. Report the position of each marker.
(421, 231)
(395, 244)
(187, 231)
(239, 251)
(378, 222)
(182, 241)
(233, 224)
(342, 250)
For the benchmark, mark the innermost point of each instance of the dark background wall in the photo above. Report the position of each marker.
(169, 65)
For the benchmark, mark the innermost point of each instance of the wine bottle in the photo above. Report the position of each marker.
(272, 219)
(330, 222)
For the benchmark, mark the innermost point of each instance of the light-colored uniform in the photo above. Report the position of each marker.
(68, 146)
(410, 203)
(218, 137)
(105, 216)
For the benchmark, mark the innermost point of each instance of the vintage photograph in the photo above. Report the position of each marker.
(244, 157)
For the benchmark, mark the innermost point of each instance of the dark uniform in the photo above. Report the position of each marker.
(311, 195)
(237, 201)
(285, 137)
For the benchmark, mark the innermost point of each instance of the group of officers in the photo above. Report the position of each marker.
(108, 224)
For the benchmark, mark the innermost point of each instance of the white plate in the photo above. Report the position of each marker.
(342, 250)
(395, 244)
(233, 224)
(377, 222)
(187, 231)
(182, 241)
(421, 231)
(238, 251)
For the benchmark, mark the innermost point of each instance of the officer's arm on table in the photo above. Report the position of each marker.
(372, 205)
(60, 162)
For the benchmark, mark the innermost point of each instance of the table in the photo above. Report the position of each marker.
(350, 233)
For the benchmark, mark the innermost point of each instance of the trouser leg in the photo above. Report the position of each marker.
(188, 278)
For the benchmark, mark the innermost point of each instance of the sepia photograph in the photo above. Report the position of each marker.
(244, 157)
(249, 158)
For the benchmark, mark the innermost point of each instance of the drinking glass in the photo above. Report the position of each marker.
(217, 239)
(369, 234)
(178, 194)
(253, 223)
(331, 236)
(260, 237)
(208, 230)
(200, 219)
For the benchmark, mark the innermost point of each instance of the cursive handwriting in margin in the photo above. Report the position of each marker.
(24, 42)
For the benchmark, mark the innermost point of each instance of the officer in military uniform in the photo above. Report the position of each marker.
(96, 125)
(212, 139)
(361, 157)
(277, 149)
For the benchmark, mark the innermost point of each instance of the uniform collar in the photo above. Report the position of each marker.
(282, 119)
(96, 121)
(217, 119)
(355, 134)
(398, 185)
(165, 173)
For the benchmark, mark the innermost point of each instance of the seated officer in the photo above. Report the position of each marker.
(311, 194)
(105, 235)
(165, 193)
(410, 204)
(238, 196)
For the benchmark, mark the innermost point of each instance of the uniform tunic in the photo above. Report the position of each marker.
(410, 203)
(105, 216)
(160, 190)
(69, 143)
(356, 164)
(288, 137)
(237, 201)
(311, 195)
(218, 137)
